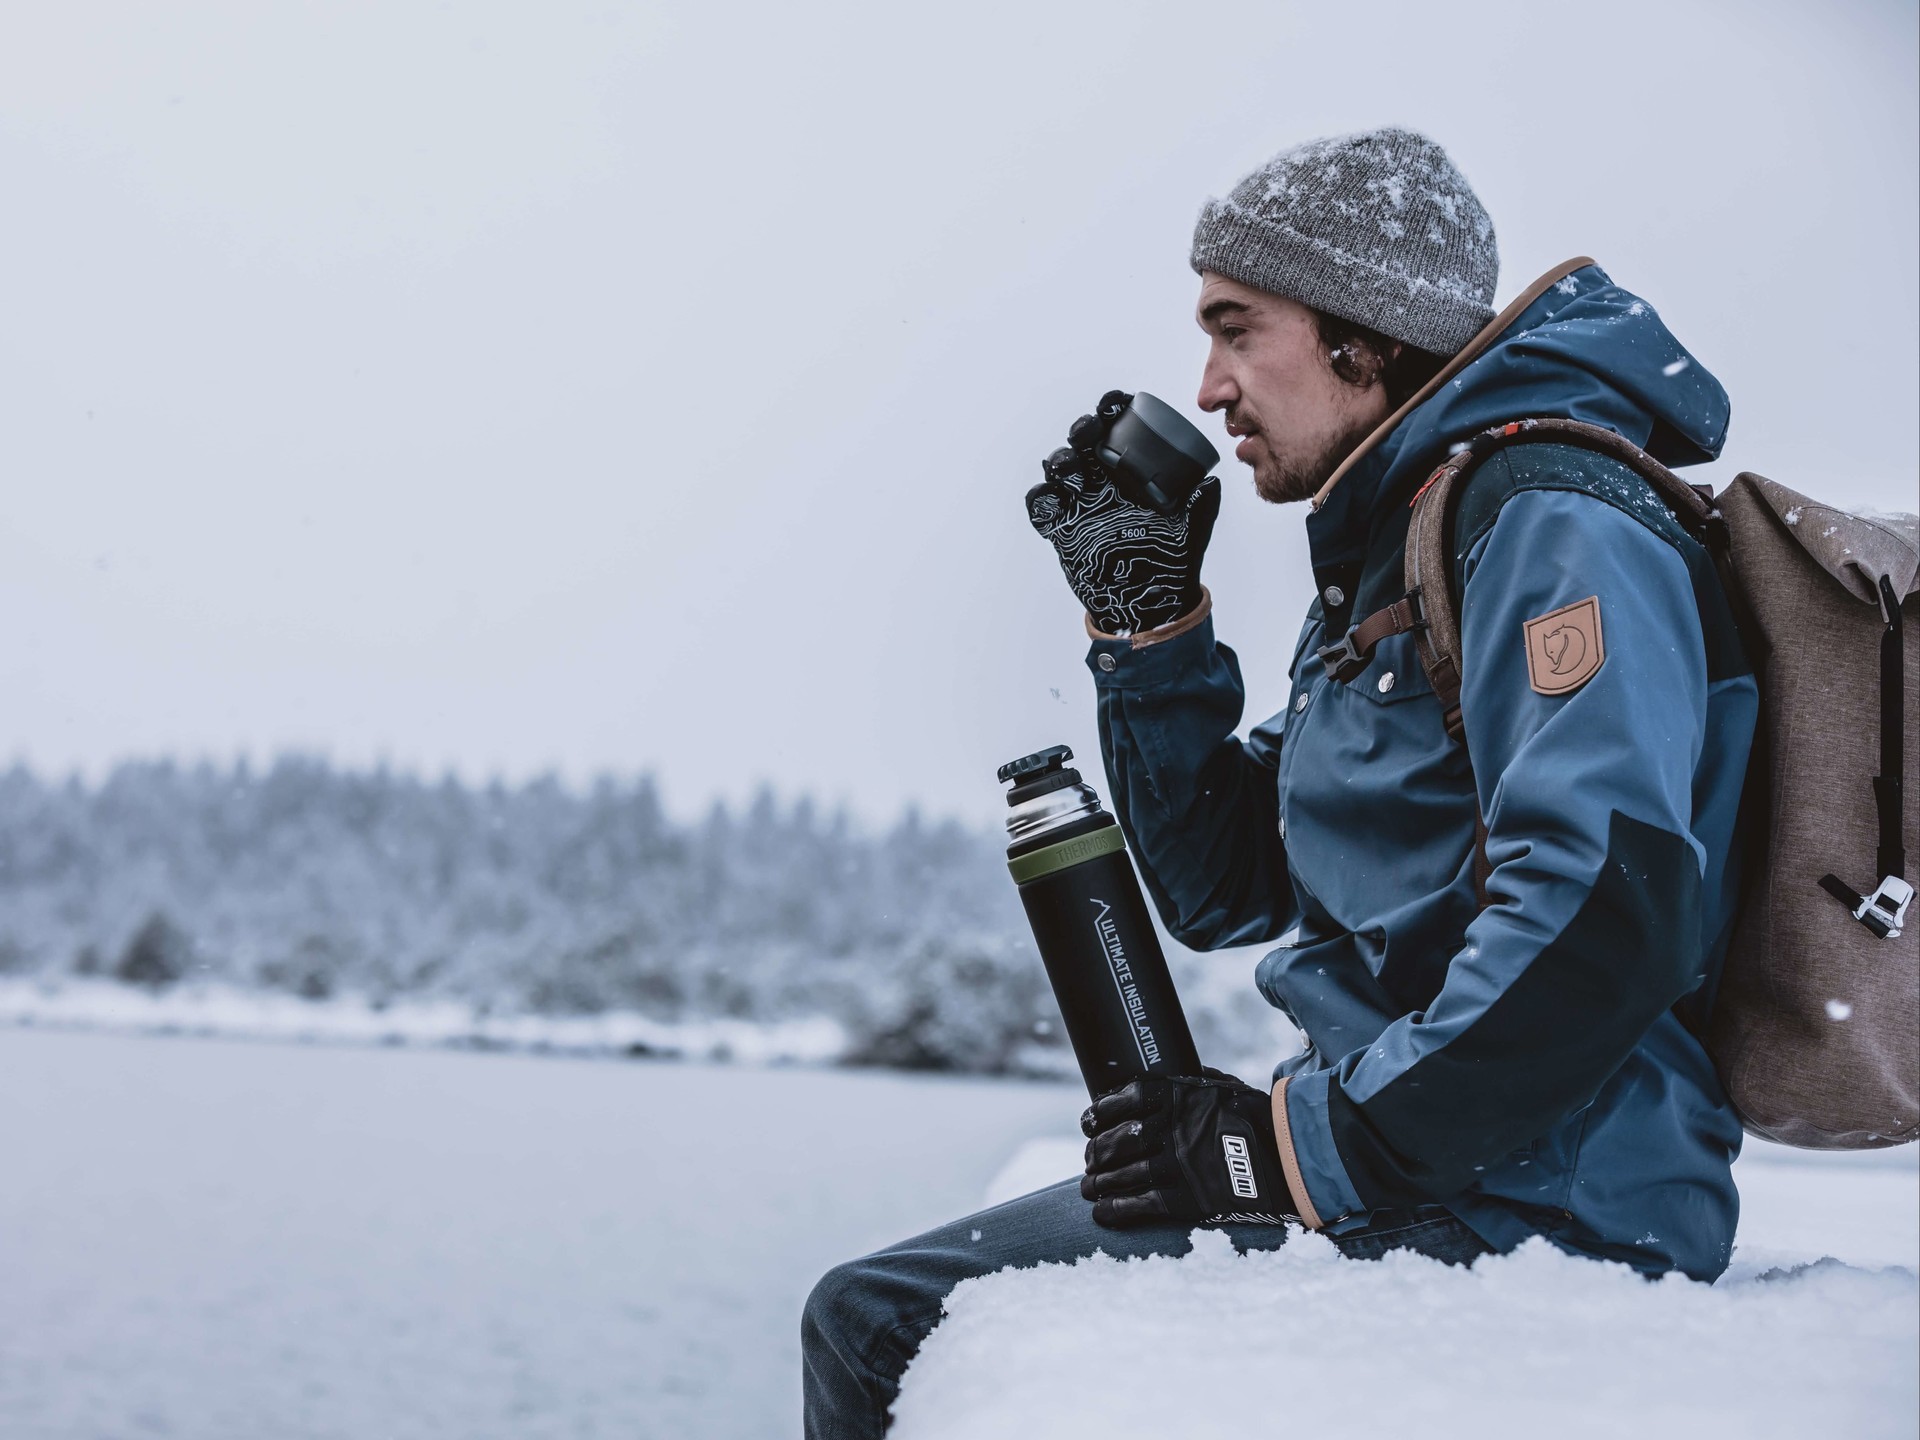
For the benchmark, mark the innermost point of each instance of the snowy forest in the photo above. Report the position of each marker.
(533, 899)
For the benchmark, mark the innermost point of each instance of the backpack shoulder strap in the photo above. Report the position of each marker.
(1430, 574)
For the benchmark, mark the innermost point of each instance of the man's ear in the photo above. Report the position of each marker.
(1360, 365)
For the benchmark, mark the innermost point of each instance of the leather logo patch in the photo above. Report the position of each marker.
(1565, 647)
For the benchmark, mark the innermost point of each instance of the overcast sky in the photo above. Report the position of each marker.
(622, 387)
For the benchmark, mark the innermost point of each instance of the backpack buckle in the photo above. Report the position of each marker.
(1885, 911)
(1344, 659)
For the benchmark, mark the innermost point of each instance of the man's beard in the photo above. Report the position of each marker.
(1281, 482)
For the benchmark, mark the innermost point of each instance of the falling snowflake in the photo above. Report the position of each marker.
(1838, 1010)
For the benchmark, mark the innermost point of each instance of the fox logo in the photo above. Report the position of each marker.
(1566, 648)
(1240, 1167)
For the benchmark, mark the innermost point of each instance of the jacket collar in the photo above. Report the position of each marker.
(1338, 528)
(1573, 345)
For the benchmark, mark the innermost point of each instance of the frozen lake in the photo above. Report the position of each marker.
(229, 1241)
(217, 1239)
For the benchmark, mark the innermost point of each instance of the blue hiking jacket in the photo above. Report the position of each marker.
(1531, 1066)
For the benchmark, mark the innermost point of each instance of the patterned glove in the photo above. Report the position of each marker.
(1133, 568)
(1184, 1149)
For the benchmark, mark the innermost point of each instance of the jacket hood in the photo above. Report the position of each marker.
(1573, 346)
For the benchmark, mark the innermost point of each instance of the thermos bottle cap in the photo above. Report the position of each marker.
(1037, 774)
(1051, 758)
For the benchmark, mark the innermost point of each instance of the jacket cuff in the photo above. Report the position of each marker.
(1314, 1173)
(1141, 639)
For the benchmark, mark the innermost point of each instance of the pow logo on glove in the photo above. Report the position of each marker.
(1565, 647)
(1240, 1167)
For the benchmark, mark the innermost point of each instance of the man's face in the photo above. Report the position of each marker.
(1268, 370)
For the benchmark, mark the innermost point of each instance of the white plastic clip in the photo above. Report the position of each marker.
(1885, 910)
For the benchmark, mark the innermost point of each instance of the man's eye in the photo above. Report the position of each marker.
(1230, 333)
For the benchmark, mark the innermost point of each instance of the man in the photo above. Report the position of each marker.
(1498, 1047)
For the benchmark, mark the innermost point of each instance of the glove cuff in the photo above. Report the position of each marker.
(1141, 639)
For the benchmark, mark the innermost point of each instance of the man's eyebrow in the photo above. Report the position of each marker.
(1211, 314)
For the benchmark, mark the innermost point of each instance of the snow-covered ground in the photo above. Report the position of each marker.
(232, 1013)
(1787, 1344)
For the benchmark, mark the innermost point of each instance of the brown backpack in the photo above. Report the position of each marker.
(1815, 1030)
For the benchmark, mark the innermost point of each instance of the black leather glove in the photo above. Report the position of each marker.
(1186, 1149)
(1133, 568)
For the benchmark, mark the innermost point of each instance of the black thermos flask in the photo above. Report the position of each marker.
(1108, 972)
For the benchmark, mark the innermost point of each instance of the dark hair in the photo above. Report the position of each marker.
(1364, 357)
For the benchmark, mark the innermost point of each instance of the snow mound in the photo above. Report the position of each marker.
(1303, 1341)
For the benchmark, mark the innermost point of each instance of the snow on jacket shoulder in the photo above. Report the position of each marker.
(1527, 1065)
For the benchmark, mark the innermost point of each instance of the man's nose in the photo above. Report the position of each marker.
(1217, 390)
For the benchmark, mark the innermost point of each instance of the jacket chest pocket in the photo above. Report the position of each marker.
(1394, 675)
(1375, 800)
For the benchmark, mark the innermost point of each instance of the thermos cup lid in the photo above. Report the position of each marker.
(1157, 456)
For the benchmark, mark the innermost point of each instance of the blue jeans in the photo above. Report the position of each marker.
(865, 1319)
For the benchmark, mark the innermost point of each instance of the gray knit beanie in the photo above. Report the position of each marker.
(1378, 228)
